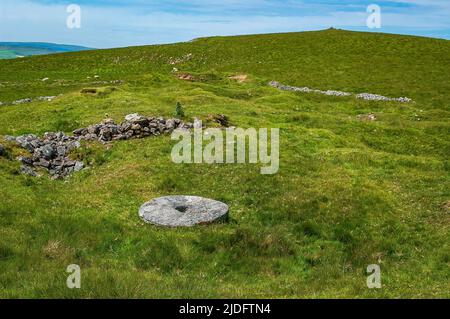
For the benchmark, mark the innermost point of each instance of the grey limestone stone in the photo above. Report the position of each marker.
(183, 211)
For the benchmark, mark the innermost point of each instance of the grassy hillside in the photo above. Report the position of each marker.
(349, 193)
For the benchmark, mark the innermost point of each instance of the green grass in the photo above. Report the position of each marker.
(348, 193)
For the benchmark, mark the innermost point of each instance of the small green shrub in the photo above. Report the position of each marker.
(179, 111)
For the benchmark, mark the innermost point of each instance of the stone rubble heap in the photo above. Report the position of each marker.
(52, 151)
(134, 126)
(364, 96)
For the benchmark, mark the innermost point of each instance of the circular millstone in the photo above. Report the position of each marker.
(183, 211)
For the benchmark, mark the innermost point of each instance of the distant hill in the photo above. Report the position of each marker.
(12, 50)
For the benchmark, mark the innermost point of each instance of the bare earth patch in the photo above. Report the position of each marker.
(239, 78)
(447, 206)
(186, 77)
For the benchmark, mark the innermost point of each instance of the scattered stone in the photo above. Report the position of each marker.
(28, 171)
(367, 117)
(183, 211)
(197, 123)
(106, 82)
(45, 98)
(179, 60)
(170, 124)
(135, 117)
(306, 89)
(45, 79)
(26, 160)
(42, 163)
(9, 138)
(220, 119)
(365, 96)
(29, 100)
(80, 131)
(21, 101)
(376, 97)
(29, 142)
(49, 152)
(186, 77)
(52, 150)
(61, 150)
(78, 166)
(334, 93)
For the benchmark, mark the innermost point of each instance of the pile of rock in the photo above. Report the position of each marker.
(134, 126)
(52, 151)
(364, 96)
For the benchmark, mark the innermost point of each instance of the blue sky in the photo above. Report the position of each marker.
(117, 23)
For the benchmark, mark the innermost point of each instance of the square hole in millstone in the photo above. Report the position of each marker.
(181, 208)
